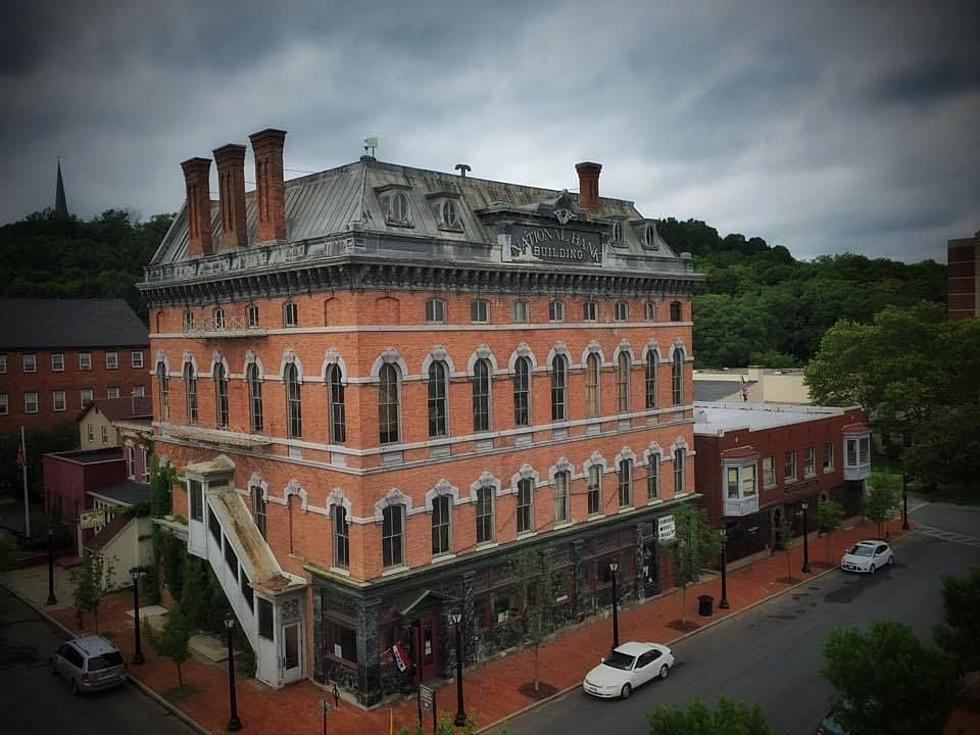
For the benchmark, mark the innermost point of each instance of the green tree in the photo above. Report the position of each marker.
(879, 504)
(173, 640)
(89, 580)
(957, 635)
(194, 593)
(162, 478)
(694, 545)
(829, 517)
(886, 681)
(728, 718)
(538, 585)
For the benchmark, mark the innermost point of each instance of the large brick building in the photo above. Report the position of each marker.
(58, 355)
(377, 382)
(963, 257)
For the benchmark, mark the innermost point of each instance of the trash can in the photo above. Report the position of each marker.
(705, 603)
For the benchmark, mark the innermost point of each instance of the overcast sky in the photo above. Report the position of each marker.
(823, 126)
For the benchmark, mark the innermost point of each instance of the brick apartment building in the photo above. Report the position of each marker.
(378, 382)
(757, 463)
(58, 355)
(963, 257)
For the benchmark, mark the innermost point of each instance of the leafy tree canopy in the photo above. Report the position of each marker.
(728, 718)
(958, 636)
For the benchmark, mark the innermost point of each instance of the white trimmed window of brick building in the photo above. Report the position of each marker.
(294, 407)
(441, 525)
(438, 384)
(139, 391)
(649, 311)
(828, 457)
(676, 312)
(595, 489)
(484, 514)
(392, 539)
(188, 320)
(252, 316)
(561, 498)
(592, 407)
(30, 363)
(650, 379)
(290, 314)
(220, 396)
(341, 537)
(389, 403)
(86, 396)
(809, 462)
(677, 377)
(57, 362)
(218, 318)
(624, 367)
(789, 466)
(58, 400)
(622, 311)
(435, 311)
(190, 391)
(111, 360)
(590, 311)
(525, 488)
(556, 310)
(520, 312)
(163, 391)
(624, 485)
(337, 410)
(112, 392)
(258, 508)
(136, 359)
(254, 398)
(653, 477)
(84, 360)
(480, 311)
(481, 395)
(522, 392)
(559, 388)
(680, 455)
(769, 471)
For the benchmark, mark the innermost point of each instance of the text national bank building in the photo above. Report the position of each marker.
(380, 384)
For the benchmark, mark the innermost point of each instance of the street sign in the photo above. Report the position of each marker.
(401, 659)
(426, 694)
(665, 528)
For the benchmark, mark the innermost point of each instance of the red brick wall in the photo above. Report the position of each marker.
(66, 482)
(15, 383)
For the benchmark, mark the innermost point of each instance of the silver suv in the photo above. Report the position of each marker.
(89, 663)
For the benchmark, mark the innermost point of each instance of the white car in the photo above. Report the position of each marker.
(626, 668)
(867, 556)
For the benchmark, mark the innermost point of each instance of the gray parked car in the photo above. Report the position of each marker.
(89, 664)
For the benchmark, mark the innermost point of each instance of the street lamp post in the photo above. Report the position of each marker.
(724, 569)
(233, 722)
(52, 600)
(905, 501)
(614, 567)
(456, 616)
(136, 573)
(806, 547)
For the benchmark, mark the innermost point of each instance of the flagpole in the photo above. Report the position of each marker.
(27, 502)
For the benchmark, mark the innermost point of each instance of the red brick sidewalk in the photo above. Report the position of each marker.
(492, 688)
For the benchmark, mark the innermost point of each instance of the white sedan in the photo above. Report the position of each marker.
(867, 556)
(626, 668)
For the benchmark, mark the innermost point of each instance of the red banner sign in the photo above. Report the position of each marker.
(401, 658)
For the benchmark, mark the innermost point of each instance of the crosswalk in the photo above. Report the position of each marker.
(956, 538)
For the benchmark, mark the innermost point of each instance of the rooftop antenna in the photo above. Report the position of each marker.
(370, 144)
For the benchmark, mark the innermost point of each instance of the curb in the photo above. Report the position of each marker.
(562, 692)
(144, 688)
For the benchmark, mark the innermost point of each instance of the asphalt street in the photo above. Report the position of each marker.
(772, 654)
(34, 701)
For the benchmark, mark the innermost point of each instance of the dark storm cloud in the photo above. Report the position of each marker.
(822, 126)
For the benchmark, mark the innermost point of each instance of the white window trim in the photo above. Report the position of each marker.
(133, 361)
(54, 367)
(4, 404)
(37, 402)
(33, 358)
(114, 362)
(87, 359)
(54, 401)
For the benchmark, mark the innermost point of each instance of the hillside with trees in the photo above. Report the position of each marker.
(761, 306)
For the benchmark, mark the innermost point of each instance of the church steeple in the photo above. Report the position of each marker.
(60, 202)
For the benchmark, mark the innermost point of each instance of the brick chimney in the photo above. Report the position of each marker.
(230, 160)
(267, 146)
(197, 173)
(588, 184)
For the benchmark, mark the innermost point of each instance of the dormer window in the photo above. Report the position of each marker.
(396, 209)
(650, 236)
(449, 215)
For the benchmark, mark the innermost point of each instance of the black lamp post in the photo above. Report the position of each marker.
(456, 616)
(614, 567)
(233, 722)
(806, 547)
(724, 569)
(136, 573)
(905, 501)
(52, 600)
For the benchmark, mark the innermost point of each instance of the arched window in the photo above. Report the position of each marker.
(623, 369)
(616, 232)
(294, 408)
(522, 392)
(437, 399)
(592, 385)
(524, 504)
(252, 316)
(653, 478)
(562, 481)
(556, 310)
(392, 522)
(218, 318)
(520, 311)
(396, 209)
(220, 396)
(341, 537)
(190, 392)
(595, 489)
(290, 314)
(679, 457)
(650, 380)
(388, 403)
(559, 383)
(258, 508)
(435, 311)
(622, 311)
(675, 311)
(441, 524)
(479, 310)
(335, 396)
(254, 397)
(650, 311)
(163, 389)
(625, 482)
(484, 514)
(677, 377)
(481, 395)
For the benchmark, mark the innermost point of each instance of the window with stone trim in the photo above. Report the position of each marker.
(290, 314)
(624, 367)
(341, 537)
(294, 406)
(252, 316)
(650, 380)
(188, 320)
(484, 514)
(592, 409)
(676, 311)
(437, 399)
(590, 311)
(625, 483)
(677, 377)
(561, 498)
(680, 456)
(388, 403)
(441, 510)
(336, 405)
(559, 388)
(522, 392)
(259, 508)
(190, 392)
(520, 311)
(595, 489)
(57, 362)
(809, 462)
(435, 311)
(622, 311)
(392, 539)
(556, 310)
(525, 487)
(254, 381)
(218, 318)
(111, 360)
(789, 466)
(481, 395)
(653, 477)
(480, 311)
(649, 311)
(220, 396)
